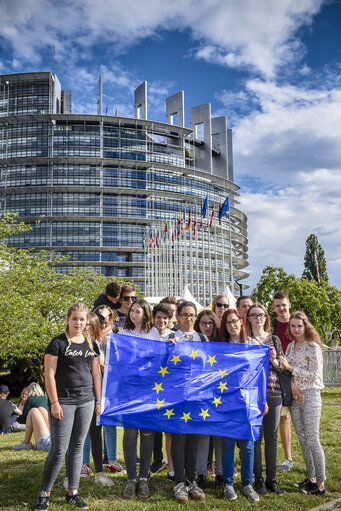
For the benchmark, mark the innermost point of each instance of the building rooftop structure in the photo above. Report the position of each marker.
(122, 195)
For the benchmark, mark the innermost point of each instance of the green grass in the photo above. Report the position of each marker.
(21, 473)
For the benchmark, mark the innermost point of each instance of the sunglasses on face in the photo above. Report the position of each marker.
(129, 298)
(224, 305)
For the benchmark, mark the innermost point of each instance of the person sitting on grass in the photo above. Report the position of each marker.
(15, 424)
(36, 418)
(7, 408)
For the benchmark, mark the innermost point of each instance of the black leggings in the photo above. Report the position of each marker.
(184, 457)
(96, 444)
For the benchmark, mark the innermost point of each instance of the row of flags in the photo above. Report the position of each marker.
(177, 227)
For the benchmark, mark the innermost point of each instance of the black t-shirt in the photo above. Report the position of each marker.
(73, 375)
(6, 410)
(104, 300)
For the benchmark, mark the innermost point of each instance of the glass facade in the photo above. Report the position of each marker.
(97, 183)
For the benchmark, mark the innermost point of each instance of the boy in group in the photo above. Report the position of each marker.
(162, 315)
(243, 305)
(126, 299)
(173, 303)
(282, 305)
(7, 408)
(110, 297)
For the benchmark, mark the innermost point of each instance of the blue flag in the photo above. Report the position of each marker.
(204, 208)
(224, 208)
(206, 388)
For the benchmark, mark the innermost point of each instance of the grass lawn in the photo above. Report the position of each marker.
(21, 473)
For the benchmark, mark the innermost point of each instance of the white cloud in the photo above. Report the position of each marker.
(236, 34)
(280, 221)
(292, 130)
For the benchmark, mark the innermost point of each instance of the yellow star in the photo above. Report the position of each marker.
(163, 371)
(176, 359)
(211, 360)
(204, 413)
(222, 386)
(194, 354)
(160, 402)
(217, 401)
(158, 387)
(186, 416)
(169, 413)
(223, 373)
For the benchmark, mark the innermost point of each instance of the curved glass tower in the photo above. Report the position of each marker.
(103, 187)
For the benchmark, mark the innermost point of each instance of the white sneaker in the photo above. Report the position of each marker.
(250, 493)
(286, 465)
(22, 447)
(103, 480)
(229, 493)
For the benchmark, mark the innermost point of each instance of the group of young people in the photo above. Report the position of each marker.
(74, 364)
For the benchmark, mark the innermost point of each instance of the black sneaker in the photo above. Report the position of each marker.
(316, 491)
(170, 478)
(219, 481)
(202, 481)
(273, 487)
(43, 503)
(260, 486)
(302, 484)
(156, 466)
(105, 460)
(76, 500)
(308, 487)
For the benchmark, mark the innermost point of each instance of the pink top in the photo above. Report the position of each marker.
(307, 362)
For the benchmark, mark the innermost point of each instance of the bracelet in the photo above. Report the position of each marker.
(54, 402)
(98, 402)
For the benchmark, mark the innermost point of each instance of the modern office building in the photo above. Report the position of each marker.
(101, 185)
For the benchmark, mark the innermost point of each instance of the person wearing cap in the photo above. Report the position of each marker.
(7, 408)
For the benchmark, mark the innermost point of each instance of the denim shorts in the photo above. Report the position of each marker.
(44, 442)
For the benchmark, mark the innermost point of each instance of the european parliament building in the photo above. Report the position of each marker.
(104, 187)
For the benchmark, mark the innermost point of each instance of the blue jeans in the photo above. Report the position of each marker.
(86, 450)
(246, 458)
(109, 433)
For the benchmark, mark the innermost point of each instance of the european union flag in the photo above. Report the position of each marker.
(207, 388)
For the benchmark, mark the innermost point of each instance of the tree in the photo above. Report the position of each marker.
(315, 266)
(320, 301)
(35, 299)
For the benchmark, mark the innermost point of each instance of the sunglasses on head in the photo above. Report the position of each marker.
(131, 298)
(225, 305)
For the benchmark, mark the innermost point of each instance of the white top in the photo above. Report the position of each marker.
(165, 336)
(179, 335)
(153, 333)
(307, 362)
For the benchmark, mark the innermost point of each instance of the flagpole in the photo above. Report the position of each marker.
(231, 260)
(145, 250)
(216, 261)
(185, 249)
(152, 264)
(197, 255)
(191, 253)
(209, 262)
(222, 254)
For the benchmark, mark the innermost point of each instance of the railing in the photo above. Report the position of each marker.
(332, 367)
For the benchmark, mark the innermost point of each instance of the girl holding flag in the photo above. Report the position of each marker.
(138, 323)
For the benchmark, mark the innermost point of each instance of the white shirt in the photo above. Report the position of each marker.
(179, 335)
(153, 333)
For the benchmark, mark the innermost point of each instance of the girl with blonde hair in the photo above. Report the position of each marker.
(73, 382)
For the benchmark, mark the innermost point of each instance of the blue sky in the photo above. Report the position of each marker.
(273, 68)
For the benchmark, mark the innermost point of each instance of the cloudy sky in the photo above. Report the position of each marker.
(272, 67)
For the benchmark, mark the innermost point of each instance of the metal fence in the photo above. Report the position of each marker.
(332, 367)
